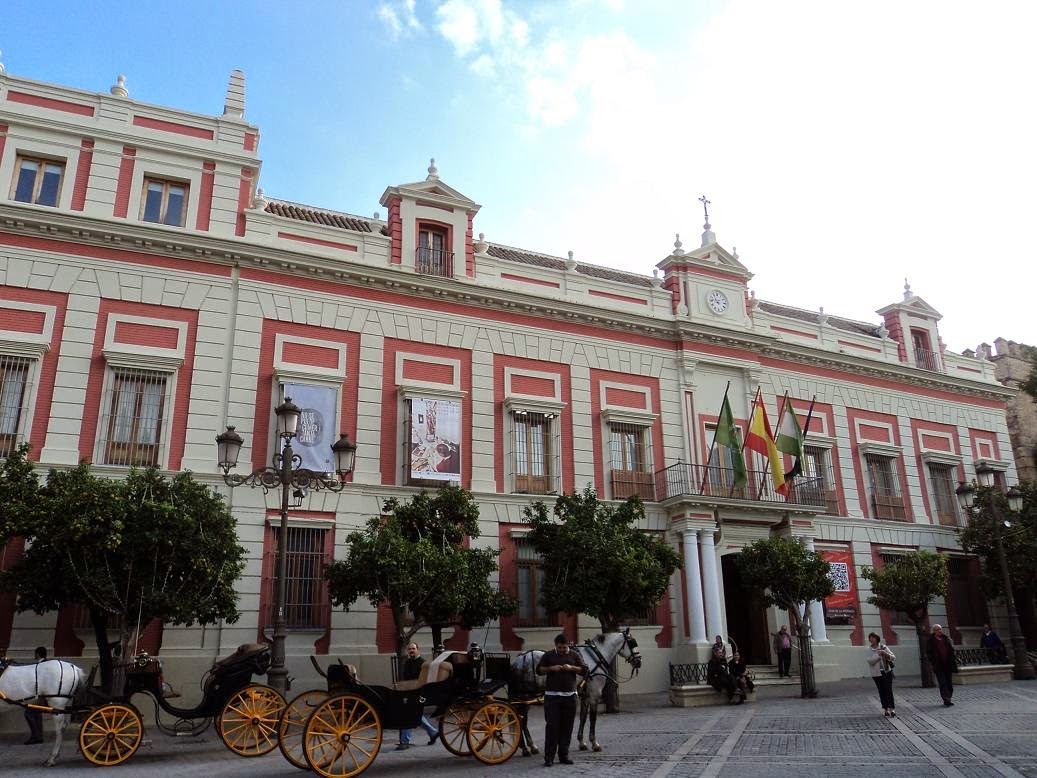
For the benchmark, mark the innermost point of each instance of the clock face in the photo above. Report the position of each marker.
(717, 301)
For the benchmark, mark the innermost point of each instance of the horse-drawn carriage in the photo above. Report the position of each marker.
(338, 733)
(245, 714)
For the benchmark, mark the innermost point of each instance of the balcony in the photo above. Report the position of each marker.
(888, 505)
(434, 262)
(685, 480)
(633, 483)
(928, 360)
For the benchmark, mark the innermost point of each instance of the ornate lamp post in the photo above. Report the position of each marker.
(967, 498)
(290, 477)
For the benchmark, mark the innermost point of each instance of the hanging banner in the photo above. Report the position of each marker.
(435, 453)
(841, 606)
(318, 425)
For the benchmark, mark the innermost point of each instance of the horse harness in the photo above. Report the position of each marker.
(601, 663)
(25, 701)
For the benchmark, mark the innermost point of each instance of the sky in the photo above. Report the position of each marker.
(844, 146)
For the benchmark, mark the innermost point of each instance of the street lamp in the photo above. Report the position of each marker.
(967, 498)
(293, 480)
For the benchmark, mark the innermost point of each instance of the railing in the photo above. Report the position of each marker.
(888, 505)
(928, 360)
(981, 656)
(683, 480)
(630, 483)
(688, 674)
(434, 262)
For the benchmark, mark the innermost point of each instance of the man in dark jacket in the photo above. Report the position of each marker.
(943, 661)
(410, 670)
(563, 668)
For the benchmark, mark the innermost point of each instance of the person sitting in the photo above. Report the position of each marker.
(992, 643)
(740, 682)
(718, 676)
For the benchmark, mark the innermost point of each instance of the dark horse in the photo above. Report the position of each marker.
(525, 686)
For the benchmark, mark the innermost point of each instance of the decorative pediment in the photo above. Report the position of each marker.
(713, 257)
(433, 188)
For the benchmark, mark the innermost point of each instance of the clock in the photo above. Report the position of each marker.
(717, 301)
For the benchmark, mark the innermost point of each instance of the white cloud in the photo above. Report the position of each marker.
(400, 17)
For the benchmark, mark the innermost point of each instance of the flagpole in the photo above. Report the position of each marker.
(712, 446)
(749, 426)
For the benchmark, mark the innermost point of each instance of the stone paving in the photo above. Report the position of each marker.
(991, 731)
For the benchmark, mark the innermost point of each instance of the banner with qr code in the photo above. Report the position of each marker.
(841, 607)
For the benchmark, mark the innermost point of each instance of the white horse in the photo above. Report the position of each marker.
(597, 654)
(55, 681)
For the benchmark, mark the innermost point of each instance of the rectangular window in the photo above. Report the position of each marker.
(631, 474)
(136, 412)
(895, 617)
(533, 452)
(721, 469)
(944, 500)
(818, 467)
(306, 597)
(530, 577)
(38, 181)
(965, 598)
(433, 258)
(886, 500)
(14, 378)
(164, 202)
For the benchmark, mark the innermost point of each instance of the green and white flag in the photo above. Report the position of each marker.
(727, 436)
(789, 438)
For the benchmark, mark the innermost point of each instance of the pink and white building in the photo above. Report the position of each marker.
(152, 295)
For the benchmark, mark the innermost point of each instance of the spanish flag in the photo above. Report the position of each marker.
(761, 440)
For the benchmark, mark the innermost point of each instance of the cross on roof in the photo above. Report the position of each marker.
(705, 208)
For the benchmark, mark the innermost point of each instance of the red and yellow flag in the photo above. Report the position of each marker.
(761, 440)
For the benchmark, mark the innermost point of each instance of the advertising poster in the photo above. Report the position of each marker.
(435, 453)
(841, 607)
(318, 425)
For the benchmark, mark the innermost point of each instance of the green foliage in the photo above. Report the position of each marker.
(909, 584)
(597, 560)
(414, 559)
(787, 573)
(19, 493)
(1019, 540)
(133, 550)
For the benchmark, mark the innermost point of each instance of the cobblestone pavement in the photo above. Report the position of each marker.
(991, 731)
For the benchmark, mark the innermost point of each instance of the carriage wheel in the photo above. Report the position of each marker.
(247, 725)
(453, 726)
(293, 722)
(494, 732)
(111, 734)
(342, 736)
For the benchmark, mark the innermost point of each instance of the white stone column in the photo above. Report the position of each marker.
(693, 579)
(711, 584)
(817, 614)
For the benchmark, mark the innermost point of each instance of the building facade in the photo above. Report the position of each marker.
(153, 295)
(1012, 365)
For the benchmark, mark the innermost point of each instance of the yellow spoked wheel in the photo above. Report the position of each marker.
(494, 732)
(453, 728)
(293, 722)
(111, 734)
(247, 725)
(342, 736)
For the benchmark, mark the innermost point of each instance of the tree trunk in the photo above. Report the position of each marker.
(437, 637)
(610, 693)
(1026, 607)
(99, 621)
(923, 660)
(807, 684)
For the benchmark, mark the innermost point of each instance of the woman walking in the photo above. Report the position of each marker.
(880, 662)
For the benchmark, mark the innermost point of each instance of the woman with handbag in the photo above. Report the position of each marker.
(880, 662)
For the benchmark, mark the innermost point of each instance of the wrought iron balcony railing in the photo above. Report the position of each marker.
(928, 360)
(434, 262)
(684, 480)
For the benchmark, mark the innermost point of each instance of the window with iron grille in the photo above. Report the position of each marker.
(529, 571)
(945, 502)
(965, 598)
(817, 465)
(37, 181)
(630, 462)
(164, 202)
(534, 454)
(886, 500)
(15, 392)
(433, 258)
(136, 413)
(306, 597)
(721, 467)
(895, 617)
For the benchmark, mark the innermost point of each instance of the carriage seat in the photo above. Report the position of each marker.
(244, 652)
(443, 672)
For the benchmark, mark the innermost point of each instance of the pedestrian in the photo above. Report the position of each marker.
(740, 682)
(562, 668)
(719, 649)
(992, 643)
(34, 718)
(719, 676)
(943, 661)
(411, 671)
(783, 650)
(880, 663)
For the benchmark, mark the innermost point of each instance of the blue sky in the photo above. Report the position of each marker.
(844, 146)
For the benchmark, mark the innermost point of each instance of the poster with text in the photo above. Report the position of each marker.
(435, 453)
(318, 425)
(841, 606)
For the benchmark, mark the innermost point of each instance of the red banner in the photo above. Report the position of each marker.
(841, 607)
